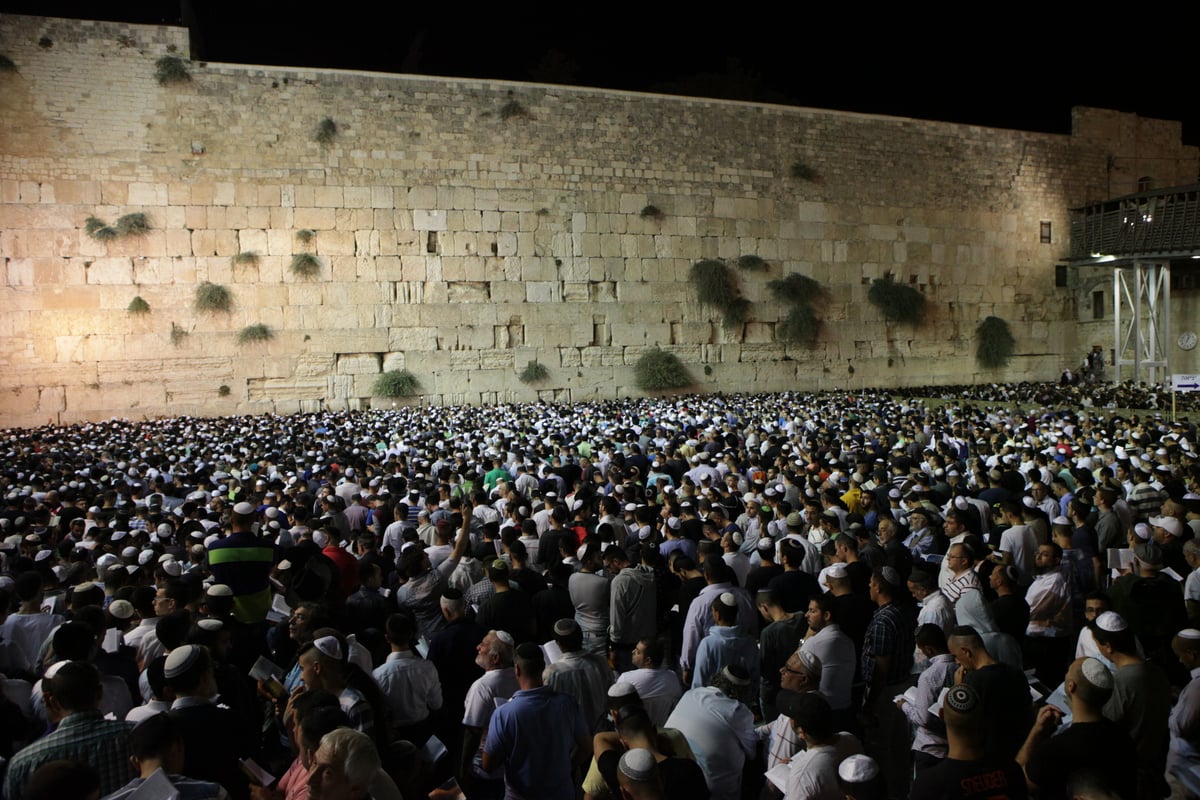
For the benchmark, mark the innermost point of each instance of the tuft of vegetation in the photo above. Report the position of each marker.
(99, 230)
(396, 383)
(712, 281)
(897, 302)
(658, 370)
(795, 288)
(305, 236)
(752, 263)
(178, 334)
(534, 371)
(996, 343)
(170, 70)
(255, 333)
(6, 64)
(800, 326)
(223, 390)
(134, 224)
(652, 212)
(212, 298)
(803, 172)
(138, 306)
(327, 131)
(543, 212)
(715, 286)
(737, 311)
(305, 265)
(246, 258)
(512, 109)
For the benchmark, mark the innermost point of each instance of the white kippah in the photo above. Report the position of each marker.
(180, 659)
(330, 646)
(1096, 673)
(858, 769)
(837, 571)
(639, 764)
(243, 509)
(727, 599)
(320, 539)
(1189, 633)
(1111, 621)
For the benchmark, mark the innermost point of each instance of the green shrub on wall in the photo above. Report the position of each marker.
(305, 265)
(138, 306)
(794, 288)
(995, 345)
(534, 371)
(170, 70)
(255, 333)
(752, 263)
(800, 326)
(658, 369)
(213, 298)
(396, 383)
(897, 302)
(134, 224)
(715, 286)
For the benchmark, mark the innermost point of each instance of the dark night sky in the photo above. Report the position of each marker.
(1004, 66)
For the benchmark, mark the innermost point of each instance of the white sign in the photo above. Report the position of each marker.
(1185, 383)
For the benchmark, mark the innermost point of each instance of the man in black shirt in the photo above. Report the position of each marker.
(968, 771)
(1093, 746)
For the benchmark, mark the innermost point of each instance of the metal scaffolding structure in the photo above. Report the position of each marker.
(1142, 320)
(1138, 236)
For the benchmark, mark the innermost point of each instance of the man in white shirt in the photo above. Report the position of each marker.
(409, 682)
(720, 731)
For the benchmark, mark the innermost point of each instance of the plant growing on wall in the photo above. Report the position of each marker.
(396, 383)
(803, 172)
(138, 306)
(6, 64)
(752, 263)
(652, 212)
(255, 333)
(534, 371)
(794, 288)
(995, 345)
(171, 70)
(99, 230)
(897, 302)
(715, 286)
(213, 298)
(223, 390)
(178, 334)
(658, 369)
(246, 258)
(512, 110)
(305, 265)
(305, 236)
(801, 324)
(134, 224)
(326, 132)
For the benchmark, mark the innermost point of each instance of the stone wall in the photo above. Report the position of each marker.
(465, 228)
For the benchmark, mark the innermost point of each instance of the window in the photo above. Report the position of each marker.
(1047, 232)
(431, 242)
(1060, 276)
(1098, 305)
(1145, 184)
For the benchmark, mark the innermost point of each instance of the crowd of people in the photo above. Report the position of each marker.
(729, 596)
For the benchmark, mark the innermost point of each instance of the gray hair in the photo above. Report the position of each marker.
(354, 752)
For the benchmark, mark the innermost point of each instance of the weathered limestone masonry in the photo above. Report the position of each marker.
(465, 228)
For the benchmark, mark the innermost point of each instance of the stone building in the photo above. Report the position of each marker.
(461, 229)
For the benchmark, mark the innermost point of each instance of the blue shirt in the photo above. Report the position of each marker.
(534, 734)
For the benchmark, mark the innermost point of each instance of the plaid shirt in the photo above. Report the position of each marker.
(85, 737)
(888, 634)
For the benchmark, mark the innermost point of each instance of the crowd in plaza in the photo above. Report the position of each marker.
(845, 594)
